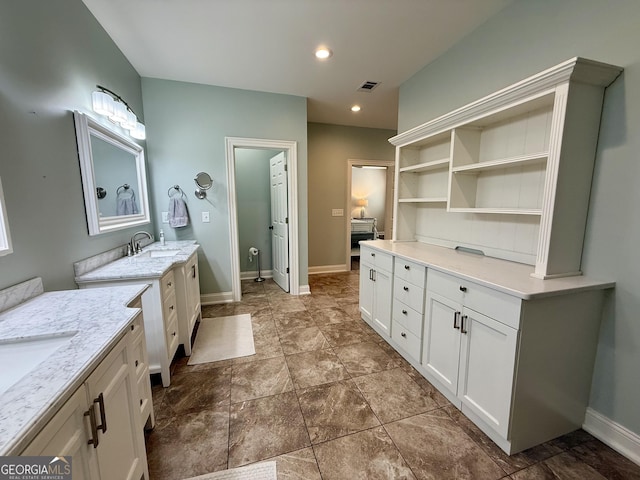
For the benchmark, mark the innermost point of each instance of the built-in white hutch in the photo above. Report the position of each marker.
(507, 333)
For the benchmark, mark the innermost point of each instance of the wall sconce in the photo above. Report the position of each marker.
(362, 202)
(111, 105)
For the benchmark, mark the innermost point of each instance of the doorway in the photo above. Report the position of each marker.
(287, 188)
(369, 203)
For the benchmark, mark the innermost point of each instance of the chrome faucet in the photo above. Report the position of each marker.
(135, 246)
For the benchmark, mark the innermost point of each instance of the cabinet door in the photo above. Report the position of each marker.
(382, 295)
(68, 433)
(441, 344)
(487, 363)
(366, 292)
(120, 452)
(193, 289)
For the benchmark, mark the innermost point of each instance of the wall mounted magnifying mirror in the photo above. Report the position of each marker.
(204, 182)
(114, 178)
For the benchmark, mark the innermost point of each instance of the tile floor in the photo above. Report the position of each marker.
(328, 399)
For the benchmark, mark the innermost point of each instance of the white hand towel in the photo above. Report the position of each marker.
(178, 214)
(126, 203)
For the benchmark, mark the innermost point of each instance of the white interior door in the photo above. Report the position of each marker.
(279, 221)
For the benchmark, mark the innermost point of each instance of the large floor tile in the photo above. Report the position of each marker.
(298, 465)
(194, 391)
(369, 455)
(330, 315)
(345, 333)
(606, 461)
(393, 395)
(291, 320)
(264, 428)
(189, 445)
(364, 358)
(302, 340)
(564, 466)
(335, 410)
(260, 379)
(437, 448)
(315, 368)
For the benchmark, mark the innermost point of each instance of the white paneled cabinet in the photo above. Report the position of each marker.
(188, 298)
(100, 425)
(376, 276)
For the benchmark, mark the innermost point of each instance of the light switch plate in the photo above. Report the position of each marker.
(205, 217)
(165, 217)
(337, 212)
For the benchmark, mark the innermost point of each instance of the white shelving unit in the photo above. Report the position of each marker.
(509, 174)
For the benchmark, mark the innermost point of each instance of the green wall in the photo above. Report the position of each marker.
(330, 148)
(52, 55)
(191, 139)
(525, 38)
(254, 206)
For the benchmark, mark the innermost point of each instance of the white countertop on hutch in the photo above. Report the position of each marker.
(98, 317)
(509, 277)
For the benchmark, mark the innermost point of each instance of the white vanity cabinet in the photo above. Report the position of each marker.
(100, 424)
(469, 355)
(188, 297)
(376, 279)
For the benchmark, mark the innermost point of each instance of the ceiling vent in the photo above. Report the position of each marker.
(368, 86)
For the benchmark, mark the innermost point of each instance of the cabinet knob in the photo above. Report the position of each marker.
(463, 289)
(373, 254)
(140, 402)
(170, 307)
(173, 334)
(404, 335)
(404, 312)
(132, 328)
(137, 363)
(406, 289)
(169, 284)
(407, 267)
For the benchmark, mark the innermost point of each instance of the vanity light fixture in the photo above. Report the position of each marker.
(110, 104)
(355, 108)
(322, 53)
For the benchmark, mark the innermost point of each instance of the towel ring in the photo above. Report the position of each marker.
(124, 186)
(177, 188)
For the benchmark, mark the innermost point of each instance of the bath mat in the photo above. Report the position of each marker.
(222, 338)
(259, 471)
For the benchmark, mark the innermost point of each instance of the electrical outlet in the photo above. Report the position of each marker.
(337, 212)
(165, 217)
(205, 217)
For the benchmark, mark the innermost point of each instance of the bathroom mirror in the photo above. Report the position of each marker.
(114, 178)
(5, 236)
(204, 182)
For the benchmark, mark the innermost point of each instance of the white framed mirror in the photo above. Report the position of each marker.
(114, 178)
(5, 236)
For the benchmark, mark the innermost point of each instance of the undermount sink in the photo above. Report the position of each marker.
(22, 355)
(158, 253)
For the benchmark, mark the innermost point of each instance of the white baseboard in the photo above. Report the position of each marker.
(327, 269)
(304, 290)
(252, 275)
(621, 439)
(215, 298)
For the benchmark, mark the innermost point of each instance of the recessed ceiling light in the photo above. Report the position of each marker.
(355, 108)
(323, 53)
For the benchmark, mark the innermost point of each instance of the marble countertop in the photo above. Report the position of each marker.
(508, 277)
(99, 317)
(128, 268)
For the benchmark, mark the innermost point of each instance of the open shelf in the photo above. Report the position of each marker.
(502, 211)
(423, 200)
(520, 160)
(424, 167)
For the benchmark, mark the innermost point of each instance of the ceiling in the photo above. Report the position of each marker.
(268, 45)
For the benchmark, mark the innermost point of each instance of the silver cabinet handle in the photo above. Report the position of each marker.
(456, 316)
(462, 328)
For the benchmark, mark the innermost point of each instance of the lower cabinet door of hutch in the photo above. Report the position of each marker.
(487, 365)
(382, 295)
(366, 292)
(441, 347)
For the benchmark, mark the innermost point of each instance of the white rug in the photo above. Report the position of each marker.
(222, 338)
(260, 471)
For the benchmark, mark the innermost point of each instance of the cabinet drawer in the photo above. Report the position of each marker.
(409, 294)
(138, 359)
(167, 284)
(172, 329)
(492, 303)
(408, 318)
(379, 260)
(169, 305)
(410, 272)
(144, 395)
(136, 329)
(407, 341)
